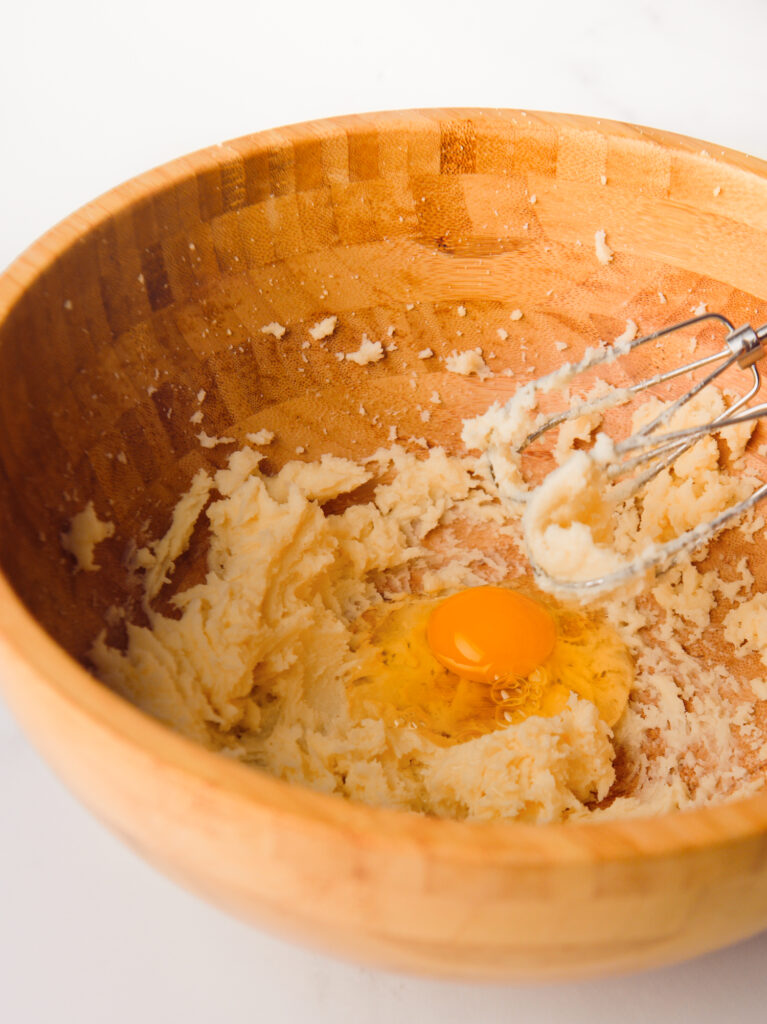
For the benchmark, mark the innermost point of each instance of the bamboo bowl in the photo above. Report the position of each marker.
(115, 320)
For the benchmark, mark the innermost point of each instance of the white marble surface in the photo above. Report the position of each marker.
(92, 93)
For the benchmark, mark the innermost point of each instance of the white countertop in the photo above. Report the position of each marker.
(93, 93)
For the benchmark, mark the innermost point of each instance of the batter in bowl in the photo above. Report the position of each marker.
(304, 648)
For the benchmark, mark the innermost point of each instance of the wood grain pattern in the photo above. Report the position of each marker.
(114, 322)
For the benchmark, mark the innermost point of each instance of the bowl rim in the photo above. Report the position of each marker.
(25, 647)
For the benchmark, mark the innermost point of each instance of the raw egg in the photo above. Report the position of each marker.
(405, 653)
(490, 633)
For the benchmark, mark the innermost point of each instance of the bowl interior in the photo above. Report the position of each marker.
(154, 303)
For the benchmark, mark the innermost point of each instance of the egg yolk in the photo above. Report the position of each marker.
(490, 633)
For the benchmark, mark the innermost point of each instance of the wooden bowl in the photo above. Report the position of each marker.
(115, 320)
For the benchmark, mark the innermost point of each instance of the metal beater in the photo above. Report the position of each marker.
(645, 453)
